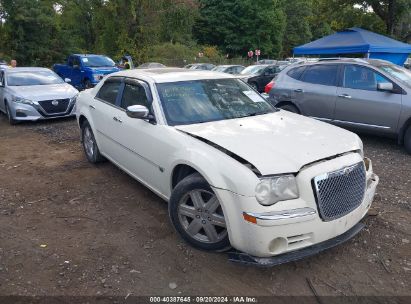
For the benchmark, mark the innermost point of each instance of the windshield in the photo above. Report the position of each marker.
(31, 78)
(97, 61)
(253, 69)
(221, 68)
(198, 101)
(398, 72)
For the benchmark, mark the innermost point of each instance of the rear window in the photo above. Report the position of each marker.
(325, 74)
(296, 72)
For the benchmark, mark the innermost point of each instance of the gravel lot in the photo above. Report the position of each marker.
(70, 228)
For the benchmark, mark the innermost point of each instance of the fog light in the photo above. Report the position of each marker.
(278, 245)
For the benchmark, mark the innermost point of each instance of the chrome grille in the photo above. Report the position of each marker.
(340, 192)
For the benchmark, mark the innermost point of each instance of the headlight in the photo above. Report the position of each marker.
(22, 100)
(74, 99)
(271, 190)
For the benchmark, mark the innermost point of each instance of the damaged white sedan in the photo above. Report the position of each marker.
(236, 172)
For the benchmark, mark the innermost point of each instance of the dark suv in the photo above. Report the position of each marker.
(259, 75)
(364, 95)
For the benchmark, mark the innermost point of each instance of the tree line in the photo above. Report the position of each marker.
(42, 32)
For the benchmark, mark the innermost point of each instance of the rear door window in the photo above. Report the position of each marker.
(109, 91)
(325, 74)
(296, 72)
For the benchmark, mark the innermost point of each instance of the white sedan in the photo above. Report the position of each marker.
(35, 94)
(235, 171)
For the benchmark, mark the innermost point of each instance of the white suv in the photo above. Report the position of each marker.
(234, 170)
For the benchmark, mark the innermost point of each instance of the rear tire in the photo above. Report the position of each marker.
(197, 215)
(407, 140)
(254, 86)
(90, 145)
(290, 108)
(10, 118)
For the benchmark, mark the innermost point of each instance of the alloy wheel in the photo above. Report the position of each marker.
(201, 216)
(88, 142)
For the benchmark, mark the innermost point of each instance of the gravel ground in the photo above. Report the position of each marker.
(70, 228)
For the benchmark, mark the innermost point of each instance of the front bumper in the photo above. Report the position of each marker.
(26, 112)
(295, 224)
(296, 255)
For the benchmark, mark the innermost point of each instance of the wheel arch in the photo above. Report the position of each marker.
(288, 102)
(404, 128)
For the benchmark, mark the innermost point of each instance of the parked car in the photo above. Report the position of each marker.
(267, 61)
(200, 66)
(3, 62)
(259, 75)
(85, 70)
(229, 69)
(151, 65)
(370, 95)
(34, 94)
(234, 170)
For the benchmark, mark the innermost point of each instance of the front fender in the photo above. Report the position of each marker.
(220, 170)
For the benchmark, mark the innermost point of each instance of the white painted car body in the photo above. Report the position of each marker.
(40, 101)
(273, 144)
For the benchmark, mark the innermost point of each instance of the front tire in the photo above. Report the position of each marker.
(407, 140)
(197, 215)
(87, 84)
(10, 118)
(90, 145)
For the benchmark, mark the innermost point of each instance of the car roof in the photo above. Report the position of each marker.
(365, 61)
(26, 69)
(162, 75)
(88, 55)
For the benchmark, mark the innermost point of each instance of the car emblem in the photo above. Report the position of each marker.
(347, 171)
(55, 103)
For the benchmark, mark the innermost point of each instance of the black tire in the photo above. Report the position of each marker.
(195, 183)
(10, 118)
(290, 108)
(407, 140)
(87, 84)
(254, 85)
(90, 145)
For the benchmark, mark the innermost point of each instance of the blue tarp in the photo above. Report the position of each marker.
(358, 41)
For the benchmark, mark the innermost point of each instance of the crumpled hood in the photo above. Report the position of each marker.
(45, 92)
(276, 143)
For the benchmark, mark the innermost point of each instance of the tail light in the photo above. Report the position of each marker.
(269, 86)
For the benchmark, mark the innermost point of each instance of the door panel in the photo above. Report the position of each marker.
(316, 92)
(104, 112)
(362, 106)
(144, 144)
(2, 88)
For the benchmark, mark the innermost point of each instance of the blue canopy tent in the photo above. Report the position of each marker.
(358, 41)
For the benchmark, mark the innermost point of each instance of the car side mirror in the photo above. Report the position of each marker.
(137, 111)
(385, 86)
(67, 80)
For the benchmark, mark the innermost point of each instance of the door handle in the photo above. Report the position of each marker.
(345, 96)
(299, 90)
(117, 119)
(92, 107)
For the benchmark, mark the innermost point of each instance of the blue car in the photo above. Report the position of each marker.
(84, 71)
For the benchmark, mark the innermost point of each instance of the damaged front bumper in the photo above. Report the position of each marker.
(240, 257)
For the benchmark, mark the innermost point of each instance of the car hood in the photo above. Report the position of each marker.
(45, 92)
(276, 143)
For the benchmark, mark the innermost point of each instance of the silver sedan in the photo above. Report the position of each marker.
(34, 94)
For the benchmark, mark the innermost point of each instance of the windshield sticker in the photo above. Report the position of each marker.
(253, 96)
(84, 59)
